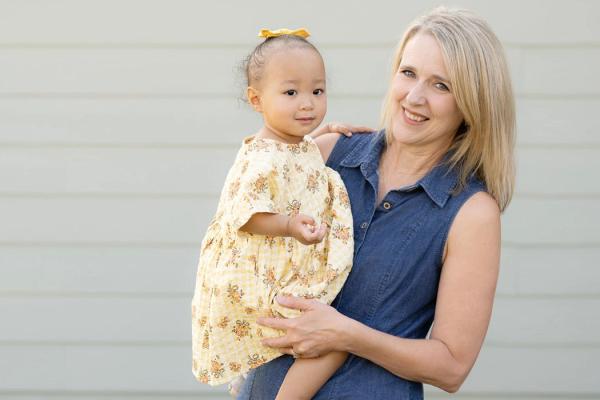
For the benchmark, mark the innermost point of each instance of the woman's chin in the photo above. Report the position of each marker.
(403, 134)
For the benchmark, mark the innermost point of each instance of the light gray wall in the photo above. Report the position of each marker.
(119, 119)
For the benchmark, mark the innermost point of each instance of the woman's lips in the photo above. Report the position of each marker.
(413, 118)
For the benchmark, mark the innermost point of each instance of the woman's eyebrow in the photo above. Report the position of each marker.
(440, 78)
(435, 76)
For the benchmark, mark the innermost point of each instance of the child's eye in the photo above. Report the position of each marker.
(408, 73)
(441, 86)
(318, 92)
(290, 92)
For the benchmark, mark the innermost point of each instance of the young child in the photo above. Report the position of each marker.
(283, 225)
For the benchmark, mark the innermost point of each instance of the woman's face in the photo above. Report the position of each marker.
(424, 113)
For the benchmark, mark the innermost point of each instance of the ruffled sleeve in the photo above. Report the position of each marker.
(254, 188)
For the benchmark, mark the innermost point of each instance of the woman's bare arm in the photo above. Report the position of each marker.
(464, 305)
(326, 143)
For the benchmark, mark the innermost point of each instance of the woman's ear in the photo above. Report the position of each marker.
(253, 96)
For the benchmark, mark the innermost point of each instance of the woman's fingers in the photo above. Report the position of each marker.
(339, 127)
(297, 303)
(288, 350)
(347, 129)
(361, 128)
(281, 342)
(276, 323)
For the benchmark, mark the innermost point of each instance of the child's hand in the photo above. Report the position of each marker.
(337, 127)
(302, 228)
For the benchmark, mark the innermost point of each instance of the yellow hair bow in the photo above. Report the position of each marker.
(266, 33)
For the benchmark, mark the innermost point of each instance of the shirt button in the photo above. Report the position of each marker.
(387, 205)
(364, 225)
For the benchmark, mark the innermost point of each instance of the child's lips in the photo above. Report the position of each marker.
(305, 120)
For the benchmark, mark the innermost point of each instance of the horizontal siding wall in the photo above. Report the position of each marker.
(119, 120)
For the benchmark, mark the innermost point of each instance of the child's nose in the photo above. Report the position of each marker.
(306, 104)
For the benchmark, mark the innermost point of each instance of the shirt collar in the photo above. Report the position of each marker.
(437, 184)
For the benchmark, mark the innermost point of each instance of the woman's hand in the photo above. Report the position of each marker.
(319, 330)
(338, 127)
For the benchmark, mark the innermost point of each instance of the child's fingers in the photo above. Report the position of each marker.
(315, 235)
(305, 219)
(306, 235)
(322, 231)
(309, 233)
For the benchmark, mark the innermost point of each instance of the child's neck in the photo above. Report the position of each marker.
(266, 133)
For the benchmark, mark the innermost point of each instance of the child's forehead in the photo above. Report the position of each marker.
(296, 66)
(289, 57)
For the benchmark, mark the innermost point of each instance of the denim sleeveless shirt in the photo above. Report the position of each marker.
(398, 249)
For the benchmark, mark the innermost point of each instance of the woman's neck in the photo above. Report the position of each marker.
(404, 160)
(402, 165)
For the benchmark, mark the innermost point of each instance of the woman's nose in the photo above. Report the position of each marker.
(416, 95)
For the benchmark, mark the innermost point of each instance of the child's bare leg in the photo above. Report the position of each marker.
(307, 375)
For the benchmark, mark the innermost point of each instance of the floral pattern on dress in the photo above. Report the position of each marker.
(240, 274)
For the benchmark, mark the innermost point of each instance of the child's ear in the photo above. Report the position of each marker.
(253, 96)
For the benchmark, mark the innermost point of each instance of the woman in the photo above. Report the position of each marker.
(426, 196)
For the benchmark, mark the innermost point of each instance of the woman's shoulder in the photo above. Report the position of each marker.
(479, 207)
(472, 200)
(326, 143)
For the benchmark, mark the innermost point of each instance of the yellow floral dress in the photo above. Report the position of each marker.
(239, 273)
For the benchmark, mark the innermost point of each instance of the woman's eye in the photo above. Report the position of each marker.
(318, 92)
(441, 86)
(408, 73)
(290, 92)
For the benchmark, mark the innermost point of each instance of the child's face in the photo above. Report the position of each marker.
(291, 93)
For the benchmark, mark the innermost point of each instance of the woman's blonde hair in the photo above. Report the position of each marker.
(478, 73)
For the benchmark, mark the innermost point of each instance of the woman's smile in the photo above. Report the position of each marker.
(413, 118)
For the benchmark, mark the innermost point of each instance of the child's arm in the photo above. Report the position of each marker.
(300, 226)
(267, 224)
(307, 375)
